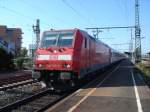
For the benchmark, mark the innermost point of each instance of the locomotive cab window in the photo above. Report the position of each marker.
(57, 39)
(65, 39)
(49, 40)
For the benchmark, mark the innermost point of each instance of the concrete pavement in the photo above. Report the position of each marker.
(122, 90)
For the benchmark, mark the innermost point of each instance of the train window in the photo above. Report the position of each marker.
(85, 43)
(49, 40)
(65, 39)
(57, 39)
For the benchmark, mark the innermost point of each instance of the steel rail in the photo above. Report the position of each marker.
(53, 102)
(13, 85)
(12, 106)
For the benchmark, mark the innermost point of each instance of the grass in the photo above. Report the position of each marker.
(145, 71)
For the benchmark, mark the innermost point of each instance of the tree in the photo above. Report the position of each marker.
(23, 52)
(20, 59)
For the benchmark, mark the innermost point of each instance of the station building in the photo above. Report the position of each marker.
(11, 39)
(32, 48)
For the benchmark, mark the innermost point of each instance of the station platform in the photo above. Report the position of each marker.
(121, 90)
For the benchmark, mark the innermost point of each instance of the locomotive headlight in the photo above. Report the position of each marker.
(67, 65)
(41, 66)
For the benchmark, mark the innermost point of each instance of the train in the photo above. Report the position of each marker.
(66, 57)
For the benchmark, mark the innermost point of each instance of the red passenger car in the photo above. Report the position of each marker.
(66, 56)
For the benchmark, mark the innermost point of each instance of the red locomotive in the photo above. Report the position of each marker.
(66, 56)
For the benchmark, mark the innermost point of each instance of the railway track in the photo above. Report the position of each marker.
(13, 78)
(17, 91)
(40, 101)
(14, 85)
(27, 96)
(18, 94)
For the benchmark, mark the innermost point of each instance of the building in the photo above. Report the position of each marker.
(32, 48)
(11, 39)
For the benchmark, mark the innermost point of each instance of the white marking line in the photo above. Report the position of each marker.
(90, 83)
(86, 96)
(73, 94)
(137, 95)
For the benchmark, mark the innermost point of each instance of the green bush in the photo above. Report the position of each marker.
(146, 72)
(19, 62)
(23, 63)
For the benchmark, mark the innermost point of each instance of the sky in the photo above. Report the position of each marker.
(68, 14)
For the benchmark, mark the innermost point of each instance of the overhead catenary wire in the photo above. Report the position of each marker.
(91, 19)
(20, 14)
(16, 13)
(121, 44)
(41, 10)
(77, 12)
(123, 8)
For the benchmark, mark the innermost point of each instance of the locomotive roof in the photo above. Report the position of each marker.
(61, 30)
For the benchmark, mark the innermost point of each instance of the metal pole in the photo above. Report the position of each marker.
(36, 30)
(137, 33)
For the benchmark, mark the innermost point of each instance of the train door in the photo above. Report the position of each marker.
(90, 54)
(86, 46)
(110, 55)
(87, 42)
